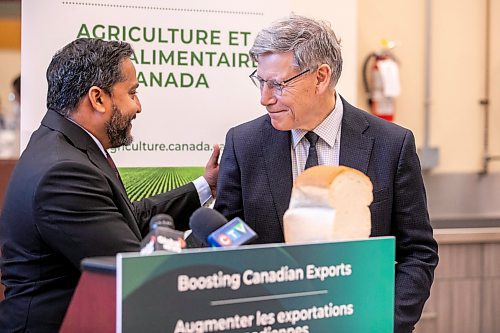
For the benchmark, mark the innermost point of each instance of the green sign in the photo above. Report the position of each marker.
(322, 287)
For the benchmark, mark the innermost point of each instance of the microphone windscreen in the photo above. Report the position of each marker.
(161, 220)
(204, 221)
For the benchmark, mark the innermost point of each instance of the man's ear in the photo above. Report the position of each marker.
(323, 78)
(96, 96)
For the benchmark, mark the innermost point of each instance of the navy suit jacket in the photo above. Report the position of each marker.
(65, 203)
(255, 184)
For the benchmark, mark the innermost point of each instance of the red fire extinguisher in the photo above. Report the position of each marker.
(381, 82)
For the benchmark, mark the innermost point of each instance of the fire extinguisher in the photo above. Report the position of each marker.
(381, 82)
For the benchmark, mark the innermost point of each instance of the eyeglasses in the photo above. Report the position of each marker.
(276, 87)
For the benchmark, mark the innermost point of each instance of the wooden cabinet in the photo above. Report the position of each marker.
(465, 296)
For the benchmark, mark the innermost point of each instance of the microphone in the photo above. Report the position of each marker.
(212, 228)
(234, 233)
(203, 222)
(162, 236)
(162, 220)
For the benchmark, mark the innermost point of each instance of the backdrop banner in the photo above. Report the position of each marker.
(192, 66)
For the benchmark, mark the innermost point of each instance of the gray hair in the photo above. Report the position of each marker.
(312, 43)
(81, 64)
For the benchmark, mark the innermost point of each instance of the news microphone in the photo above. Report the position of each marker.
(212, 228)
(162, 236)
(203, 222)
(234, 233)
(161, 220)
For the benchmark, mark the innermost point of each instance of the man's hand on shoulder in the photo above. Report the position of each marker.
(212, 170)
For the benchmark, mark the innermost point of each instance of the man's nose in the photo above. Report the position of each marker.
(139, 106)
(267, 96)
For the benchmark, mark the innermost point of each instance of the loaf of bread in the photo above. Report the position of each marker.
(329, 203)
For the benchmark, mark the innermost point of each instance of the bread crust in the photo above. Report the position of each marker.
(346, 190)
(323, 175)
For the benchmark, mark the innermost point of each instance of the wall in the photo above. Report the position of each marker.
(458, 64)
(10, 67)
(458, 68)
(458, 73)
(10, 57)
(494, 82)
(342, 17)
(396, 20)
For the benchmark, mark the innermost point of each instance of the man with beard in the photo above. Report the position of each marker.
(65, 200)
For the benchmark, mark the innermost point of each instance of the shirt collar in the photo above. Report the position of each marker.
(328, 128)
(97, 142)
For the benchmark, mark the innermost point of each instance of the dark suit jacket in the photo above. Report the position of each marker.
(64, 203)
(255, 183)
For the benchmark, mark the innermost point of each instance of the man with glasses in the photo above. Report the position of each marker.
(309, 123)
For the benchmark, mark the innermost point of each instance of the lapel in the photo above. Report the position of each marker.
(278, 163)
(355, 145)
(82, 141)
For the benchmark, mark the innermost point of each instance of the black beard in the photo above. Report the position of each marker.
(117, 128)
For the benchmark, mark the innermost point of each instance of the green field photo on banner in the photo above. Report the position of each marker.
(144, 182)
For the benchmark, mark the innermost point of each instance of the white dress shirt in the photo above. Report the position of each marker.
(328, 145)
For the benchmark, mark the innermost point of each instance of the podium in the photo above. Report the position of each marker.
(93, 306)
(299, 288)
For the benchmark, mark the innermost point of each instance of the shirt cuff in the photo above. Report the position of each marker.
(204, 192)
